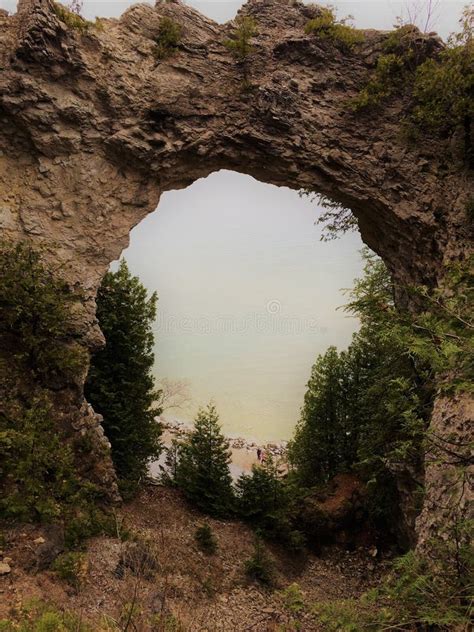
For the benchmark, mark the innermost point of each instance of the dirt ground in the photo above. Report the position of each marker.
(177, 587)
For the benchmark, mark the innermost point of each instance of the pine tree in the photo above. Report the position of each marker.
(203, 469)
(318, 448)
(260, 495)
(120, 385)
(366, 408)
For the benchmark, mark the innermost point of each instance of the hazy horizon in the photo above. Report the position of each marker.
(248, 297)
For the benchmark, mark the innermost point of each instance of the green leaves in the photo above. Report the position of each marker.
(120, 385)
(36, 308)
(442, 87)
(240, 44)
(365, 408)
(203, 465)
(325, 26)
(168, 38)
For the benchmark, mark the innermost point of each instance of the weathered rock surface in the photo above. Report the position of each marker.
(94, 129)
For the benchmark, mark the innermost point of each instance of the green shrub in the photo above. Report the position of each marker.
(443, 88)
(387, 78)
(260, 566)
(86, 522)
(74, 20)
(264, 501)
(38, 616)
(37, 470)
(205, 539)
(168, 38)
(342, 616)
(416, 595)
(70, 567)
(240, 43)
(325, 26)
(395, 68)
(36, 308)
(293, 599)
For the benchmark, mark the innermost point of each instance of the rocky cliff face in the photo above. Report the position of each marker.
(94, 128)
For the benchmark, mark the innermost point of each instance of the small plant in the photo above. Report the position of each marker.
(293, 599)
(38, 616)
(73, 20)
(396, 67)
(88, 522)
(388, 77)
(208, 587)
(414, 595)
(71, 567)
(140, 558)
(240, 44)
(343, 616)
(325, 26)
(168, 38)
(260, 566)
(205, 539)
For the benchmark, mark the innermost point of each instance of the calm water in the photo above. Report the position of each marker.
(248, 297)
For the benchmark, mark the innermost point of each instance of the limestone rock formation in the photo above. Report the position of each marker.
(94, 128)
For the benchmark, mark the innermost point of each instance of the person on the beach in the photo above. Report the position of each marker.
(259, 455)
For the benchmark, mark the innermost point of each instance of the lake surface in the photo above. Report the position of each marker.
(248, 296)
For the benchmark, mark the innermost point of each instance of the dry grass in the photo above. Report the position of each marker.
(159, 580)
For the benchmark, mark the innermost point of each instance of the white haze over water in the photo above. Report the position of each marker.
(248, 295)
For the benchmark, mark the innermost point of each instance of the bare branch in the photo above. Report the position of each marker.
(173, 394)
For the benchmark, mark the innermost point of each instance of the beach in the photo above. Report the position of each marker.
(243, 450)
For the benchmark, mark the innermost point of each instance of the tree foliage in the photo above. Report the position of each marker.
(240, 43)
(168, 38)
(37, 470)
(39, 478)
(442, 87)
(365, 408)
(35, 317)
(326, 26)
(260, 495)
(120, 385)
(336, 218)
(203, 466)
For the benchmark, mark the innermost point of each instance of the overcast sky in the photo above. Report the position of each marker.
(368, 14)
(248, 293)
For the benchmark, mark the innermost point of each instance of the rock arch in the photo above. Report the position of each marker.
(94, 129)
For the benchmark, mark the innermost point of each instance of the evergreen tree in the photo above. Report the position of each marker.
(319, 446)
(261, 494)
(203, 468)
(120, 385)
(366, 408)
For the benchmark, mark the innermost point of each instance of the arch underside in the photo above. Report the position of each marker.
(94, 128)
